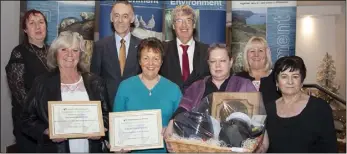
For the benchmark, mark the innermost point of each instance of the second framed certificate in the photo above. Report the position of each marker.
(75, 119)
(136, 130)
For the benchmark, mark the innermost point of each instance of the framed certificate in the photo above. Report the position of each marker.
(135, 130)
(75, 119)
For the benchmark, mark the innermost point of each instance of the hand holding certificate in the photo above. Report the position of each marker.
(136, 130)
(72, 119)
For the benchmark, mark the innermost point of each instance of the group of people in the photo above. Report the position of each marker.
(129, 74)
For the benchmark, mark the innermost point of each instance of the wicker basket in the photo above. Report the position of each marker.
(188, 146)
(185, 146)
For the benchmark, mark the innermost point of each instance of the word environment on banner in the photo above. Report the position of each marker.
(273, 20)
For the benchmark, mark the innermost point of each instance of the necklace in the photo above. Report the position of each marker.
(287, 109)
(149, 89)
(296, 98)
(36, 53)
(68, 86)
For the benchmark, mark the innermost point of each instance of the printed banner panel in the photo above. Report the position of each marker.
(148, 19)
(210, 24)
(76, 16)
(273, 20)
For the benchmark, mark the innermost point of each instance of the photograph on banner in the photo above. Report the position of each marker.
(148, 19)
(76, 16)
(275, 21)
(210, 20)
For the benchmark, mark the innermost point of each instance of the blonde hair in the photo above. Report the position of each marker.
(67, 39)
(249, 45)
(185, 9)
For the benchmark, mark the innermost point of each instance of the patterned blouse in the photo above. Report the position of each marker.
(18, 66)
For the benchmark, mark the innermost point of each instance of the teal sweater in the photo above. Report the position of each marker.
(133, 95)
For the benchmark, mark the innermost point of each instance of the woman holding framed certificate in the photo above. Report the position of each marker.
(68, 80)
(149, 90)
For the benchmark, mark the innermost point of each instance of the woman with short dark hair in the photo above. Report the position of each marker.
(27, 61)
(297, 122)
(149, 90)
(220, 61)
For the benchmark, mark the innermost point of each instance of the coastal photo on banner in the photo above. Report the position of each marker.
(148, 19)
(273, 20)
(210, 24)
(76, 16)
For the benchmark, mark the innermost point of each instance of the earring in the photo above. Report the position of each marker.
(276, 88)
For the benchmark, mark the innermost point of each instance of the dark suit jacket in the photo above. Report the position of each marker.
(171, 68)
(104, 63)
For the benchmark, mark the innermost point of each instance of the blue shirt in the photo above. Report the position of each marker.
(133, 95)
(127, 43)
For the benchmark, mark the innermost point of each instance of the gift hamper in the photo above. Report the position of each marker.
(221, 122)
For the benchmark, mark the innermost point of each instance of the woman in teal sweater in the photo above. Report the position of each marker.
(149, 90)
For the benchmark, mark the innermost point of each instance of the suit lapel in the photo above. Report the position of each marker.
(177, 71)
(112, 48)
(131, 60)
(196, 59)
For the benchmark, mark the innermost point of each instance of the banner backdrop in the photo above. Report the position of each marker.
(210, 24)
(148, 19)
(211, 19)
(273, 20)
(76, 16)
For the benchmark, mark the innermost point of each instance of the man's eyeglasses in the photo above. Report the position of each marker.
(188, 21)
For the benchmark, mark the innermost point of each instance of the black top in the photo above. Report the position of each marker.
(310, 131)
(210, 87)
(47, 87)
(267, 86)
(27, 61)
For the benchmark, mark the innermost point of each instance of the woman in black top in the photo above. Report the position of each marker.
(297, 122)
(257, 67)
(27, 61)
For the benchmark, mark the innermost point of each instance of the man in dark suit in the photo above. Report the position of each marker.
(185, 60)
(115, 57)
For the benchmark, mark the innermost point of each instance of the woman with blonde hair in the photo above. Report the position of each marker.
(257, 66)
(68, 80)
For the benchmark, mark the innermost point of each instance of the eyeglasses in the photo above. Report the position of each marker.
(189, 21)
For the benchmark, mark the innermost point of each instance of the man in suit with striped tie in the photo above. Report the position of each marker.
(185, 60)
(115, 57)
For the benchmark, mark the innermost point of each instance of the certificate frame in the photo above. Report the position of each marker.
(53, 135)
(113, 131)
(251, 101)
